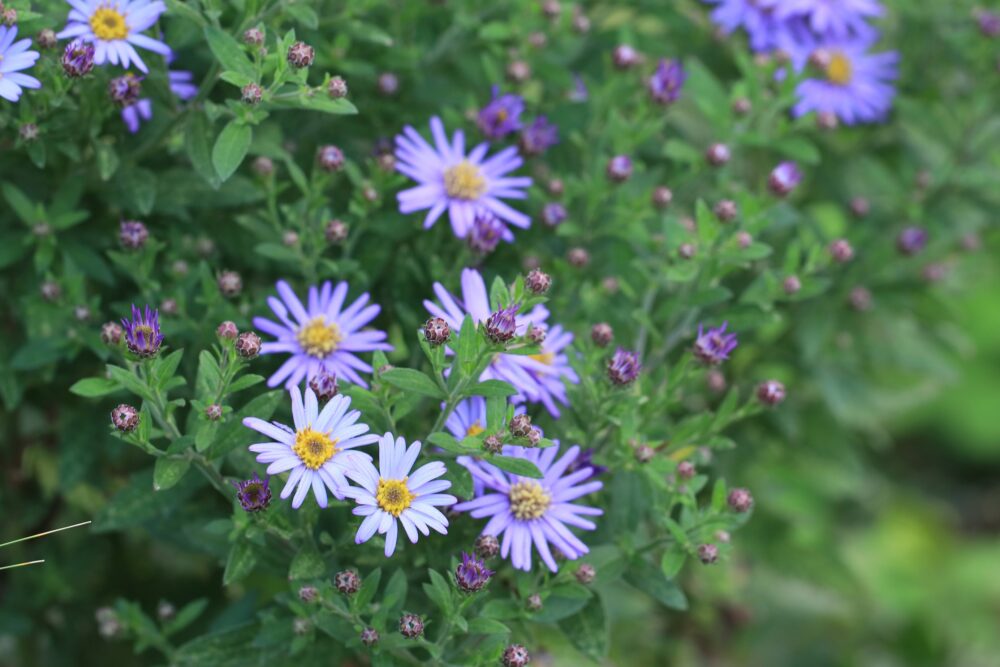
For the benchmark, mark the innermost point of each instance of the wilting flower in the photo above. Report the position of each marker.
(14, 57)
(322, 333)
(666, 82)
(529, 375)
(501, 116)
(115, 26)
(317, 452)
(472, 575)
(713, 346)
(855, 86)
(754, 16)
(539, 136)
(525, 511)
(829, 18)
(449, 180)
(393, 494)
(142, 332)
(254, 494)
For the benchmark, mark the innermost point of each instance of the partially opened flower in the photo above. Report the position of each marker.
(526, 512)
(115, 27)
(317, 453)
(142, 332)
(321, 332)
(449, 180)
(392, 494)
(14, 57)
(713, 346)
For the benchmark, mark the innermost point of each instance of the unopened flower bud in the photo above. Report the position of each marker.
(726, 210)
(501, 325)
(28, 132)
(716, 381)
(51, 291)
(436, 331)
(534, 602)
(324, 385)
(493, 444)
(336, 231)
(827, 120)
(534, 436)
(619, 168)
(165, 611)
(685, 470)
(47, 39)
(111, 333)
(578, 257)
(78, 58)
(230, 284)
(388, 84)
(347, 582)
(911, 240)
(290, 238)
(125, 418)
(739, 500)
(744, 240)
(308, 594)
(330, 158)
(742, 106)
(263, 166)
(213, 412)
(520, 426)
(515, 655)
(717, 155)
(860, 299)
(337, 88)
(686, 250)
(784, 178)
(252, 93)
(253, 36)
(708, 553)
(169, 306)
(771, 392)
(369, 637)
(644, 453)
(538, 282)
(487, 546)
(602, 334)
(623, 368)
(411, 626)
(9, 16)
(791, 285)
(585, 574)
(860, 207)
(301, 55)
(624, 56)
(841, 251)
(227, 330)
(301, 626)
(662, 197)
(518, 71)
(556, 187)
(248, 345)
(553, 213)
(132, 234)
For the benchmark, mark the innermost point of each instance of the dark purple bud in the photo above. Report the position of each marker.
(619, 168)
(717, 155)
(708, 553)
(538, 136)
(132, 234)
(501, 325)
(436, 331)
(487, 546)
(142, 332)
(411, 626)
(369, 637)
(771, 392)
(911, 240)
(472, 575)
(301, 55)
(538, 282)
(347, 582)
(324, 384)
(740, 500)
(254, 494)
(248, 345)
(713, 346)
(602, 334)
(125, 418)
(486, 232)
(388, 83)
(125, 90)
(230, 284)
(330, 158)
(336, 231)
(78, 58)
(515, 655)
(623, 367)
(665, 84)
(227, 330)
(989, 23)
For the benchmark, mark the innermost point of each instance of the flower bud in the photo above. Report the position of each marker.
(685, 470)
(124, 90)
(717, 155)
(347, 582)
(518, 71)
(78, 59)
(252, 93)
(791, 285)
(860, 299)
(578, 257)
(132, 234)
(253, 36)
(47, 39)
(436, 331)
(388, 84)
(534, 436)
(911, 240)
(330, 158)
(619, 168)
(585, 574)
(644, 453)
(744, 240)
(553, 213)
(111, 333)
(472, 575)
(487, 546)
(716, 381)
(557, 187)
(538, 282)
(51, 291)
(784, 178)
(169, 306)
(841, 251)
(708, 553)
(337, 88)
(623, 367)
(125, 418)
(336, 231)
(624, 57)
(165, 611)
(742, 106)
(213, 412)
(411, 626)
(662, 197)
(501, 325)
(739, 500)
(726, 210)
(520, 426)
(551, 9)
(290, 238)
(301, 55)
(515, 655)
(369, 637)
(827, 120)
(493, 444)
(230, 284)
(534, 602)
(227, 331)
(535, 334)
(248, 345)
(324, 385)
(602, 334)
(9, 16)
(28, 132)
(308, 594)
(301, 626)
(263, 166)
(771, 392)
(686, 250)
(860, 207)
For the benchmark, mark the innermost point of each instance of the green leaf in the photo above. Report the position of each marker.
(369, 586)
(244, 382)
(166, 367)
(461, 480)
(92, 387)
(129, 382)
(231, 147)
(438, 591)
(233, 433)
(652, 581)
(241, 561)
(491, 388)
(588, 630)
(197, 139)
(408, 379)
(228, 51)
(28, 211)
(467, 348)
(522, 467)
(672, 562)
(168, 471)
(499, 294)
(487, 626)
(307, 564)
(188, 614)
(447, 442)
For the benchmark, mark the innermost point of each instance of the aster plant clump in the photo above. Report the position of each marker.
(279, 324)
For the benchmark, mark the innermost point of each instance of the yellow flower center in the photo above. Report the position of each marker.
(318, 339)
(108, 24)
(545, 357)
(474, 430)
(839, 71)
(528, 500)
(145, 330)
(313, 448)
(464, 181)
(393, 496)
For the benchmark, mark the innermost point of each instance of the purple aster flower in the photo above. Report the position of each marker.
(713, 346)
(125, 90)
(317, 452)
(539, 136)
(486, 233)
(755, 16)
(501, 116)
(320, 332)
(142, 332)
(501, 325)
(666, 82)
(254, 494)
(472, 575)
(468, 419)
(585, 460)
(392, 494)
(525, 511)
(528, 374)
(78, 58)
(135, 113)
(855, 85)
(449, 180)
(114, 26)
(551, 384)
(989, 23)
(830, 18)
(14, 57)
(623, 367)
(911, 240)
(784, 178)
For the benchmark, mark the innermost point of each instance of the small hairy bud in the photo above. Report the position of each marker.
(227, 330)
(841, 251)
(515, 655)
(619, 168)
(644, 453)
(369, 637)
(602, 334)
(308, 593)
(538, 282)
(585, 574)
(718, 155)
(487, 546)
(791, 285)
(301, 55)
(230, 284)
(111, 333)
(330, 158)
(578, 257)
(686, 250)
(770, 392)
(336, 231)
(165, 611)
(347, 582)
(253, 36)
(520, 426)
(739, 500)
(125, 418)
(213, 412)
(388, 83)
(493, 444)
(263, 166)
(534, 602)
(436, 331)
(252, 93)
(248, 345)
(411, 626)
(708, 553)
(726, 210)
(47, 39)
(685, 470)
(662, 197)
(337, 88)
(742, 106)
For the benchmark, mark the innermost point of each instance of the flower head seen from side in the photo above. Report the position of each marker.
(142, 332)
(392, 494)
(472, 575)
(254, 494)
(15, 57)
(115, 27)
(321, 332)
(832, 18)
(501, 116)
(538, 136)
(525, 512)
(317, 452)
(666, 82)
(714, 345)
(450, 180)
(855, 85)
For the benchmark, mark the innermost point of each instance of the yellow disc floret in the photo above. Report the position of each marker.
(545, 357)
(393, 495)
(319, 339)
(528, 500)
(464, 181)
(474, 430)
(314, 448)
(839, 71)
(108, 24)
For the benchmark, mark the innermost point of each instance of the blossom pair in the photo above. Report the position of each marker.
(320, 454)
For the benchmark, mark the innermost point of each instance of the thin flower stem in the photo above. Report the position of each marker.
(48, 532)
(30, 562)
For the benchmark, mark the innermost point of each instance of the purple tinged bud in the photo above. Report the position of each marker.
(213, 412)
(308, 594)
(742, 106)
(534, 436)
(78, 58)
(726, 210)
(369, 637)
(227, 330)
(553, 213)
(248, 345)
(254, 494)
(708, 553)
(51, 291)
(125, 418)
(142, 332)
(502, 116)
(551, 9)
(827, 120)
(520, 426)
(230, 284)
(686, 251)
(436, 331)
(538, 282)
(290, 238)
(388, 83)
(739, 500)
(324, 384)
(841, 251)
(578, 257)
(538, 136)
(501, 326)
(602, 334)
(644, 453)
(486, 232)
(347, 582)
(518, 71)
(685, 470)
(515, 655)
(716, 381)
(263, 166)
(534, 602)
(585, 574)
(770, 392)
(111, 333)
(535, 334)
(169, 306)
(911, 240)
(784, 178)
(624, 57)
(619, 168)
(330, 158)
(252, 93)
(487, 546)
(125, 90)
(662, 197)
(336, 231)
(791, 285)
(493, 444)
(666, 82)
(301, 55)
(253, 36)
(581, 23)
(722, 536)
(557, 187)
(623, 367)
(989, 23)
(472, 575)
(718, 155)
(860, 207)
(713, 346)
(744, 239)
(132, 234)
(860, 299)
(337, 88)
(411, 626)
